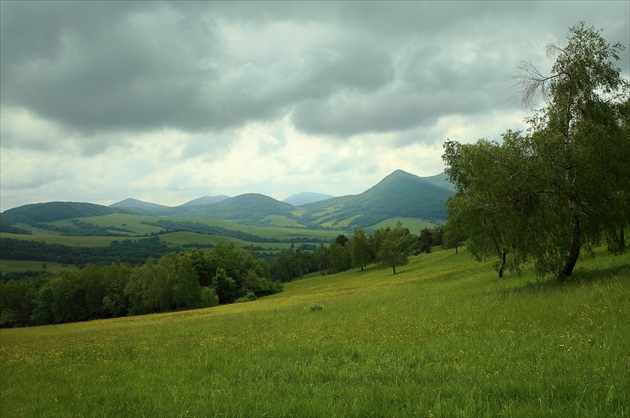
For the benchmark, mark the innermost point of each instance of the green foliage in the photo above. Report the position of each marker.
(131, 251)
(360, 250)
(424, 242)
(339, 257)
(394, 247)
(176, 281)
(545, 195)
(248, 297)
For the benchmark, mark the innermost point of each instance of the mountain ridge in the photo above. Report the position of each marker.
(303, 198)
(400, 194)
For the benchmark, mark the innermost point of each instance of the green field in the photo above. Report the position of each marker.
(139, 229)
(413, 224)
(444, 337)
(68, 240)
(7, 266)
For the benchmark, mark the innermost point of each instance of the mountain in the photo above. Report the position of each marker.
(303, 198)
(249, 207)
(400, 194)
(139, 204)
(205, 200)
(53, 211)
(441, 180)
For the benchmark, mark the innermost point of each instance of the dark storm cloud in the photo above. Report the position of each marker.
(339, 68)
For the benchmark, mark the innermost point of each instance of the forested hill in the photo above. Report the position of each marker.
(399, 195)
(55, 211)
(139, 204)
(250, 207)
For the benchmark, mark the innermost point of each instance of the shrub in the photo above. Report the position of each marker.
(250, 296)
(315, 307)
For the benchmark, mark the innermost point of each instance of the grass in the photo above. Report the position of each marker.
(7, 266)
(71, 241)
(182, 238)
(283, 229)
(444, 337)
(414, 225)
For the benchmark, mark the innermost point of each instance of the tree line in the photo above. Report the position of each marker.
(387, 247)
(195, 278)
(129, 251)
(549, 194)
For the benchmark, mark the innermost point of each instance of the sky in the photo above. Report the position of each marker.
(170, 101)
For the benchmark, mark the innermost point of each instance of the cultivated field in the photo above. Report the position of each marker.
(444, 337)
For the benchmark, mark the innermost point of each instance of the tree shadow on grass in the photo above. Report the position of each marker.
(579, 277)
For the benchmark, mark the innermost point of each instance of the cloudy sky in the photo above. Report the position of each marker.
(170, 101)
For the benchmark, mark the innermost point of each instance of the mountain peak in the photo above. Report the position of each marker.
(138, 204)
(304, 198)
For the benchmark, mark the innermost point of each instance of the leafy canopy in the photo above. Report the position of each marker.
(562, 186)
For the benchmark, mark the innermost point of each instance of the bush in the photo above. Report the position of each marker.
(250, 296)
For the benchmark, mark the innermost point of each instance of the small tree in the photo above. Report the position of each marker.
(424, 242)
(395, 247)
(360, 249)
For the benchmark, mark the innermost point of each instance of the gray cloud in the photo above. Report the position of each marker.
(342, 68)
(147, 90)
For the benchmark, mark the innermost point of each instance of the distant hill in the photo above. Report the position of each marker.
(205, 200)
(441, 180)
(139, 204)
(53, 211)
(250, 207)
(304, 198)
(400, 194)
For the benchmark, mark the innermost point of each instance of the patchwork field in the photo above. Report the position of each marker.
(444, 337)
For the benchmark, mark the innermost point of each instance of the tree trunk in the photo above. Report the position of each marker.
(574, 254)
(502, 267)
(394, 268)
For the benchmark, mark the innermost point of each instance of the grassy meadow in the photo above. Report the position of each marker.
(443, 337)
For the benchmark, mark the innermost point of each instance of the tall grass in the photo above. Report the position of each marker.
(444, 337)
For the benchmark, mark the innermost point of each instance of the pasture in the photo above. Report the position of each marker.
(444, 337)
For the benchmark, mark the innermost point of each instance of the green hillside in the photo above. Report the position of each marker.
(246, 208)
(444, 337)
(399, 195)
(53, 211)
(149, 207)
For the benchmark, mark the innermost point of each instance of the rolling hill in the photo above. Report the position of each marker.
(139, 204)
(399, 195)
(54, 211)
(205, 200)
(249, 207)
(299, 199)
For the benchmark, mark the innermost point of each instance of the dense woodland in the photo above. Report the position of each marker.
(193, 278)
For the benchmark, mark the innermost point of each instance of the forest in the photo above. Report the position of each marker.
(189, 279)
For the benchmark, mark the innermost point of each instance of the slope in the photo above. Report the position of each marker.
(400, 194)
(139, 204)
(444, 337)
(245, 208)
